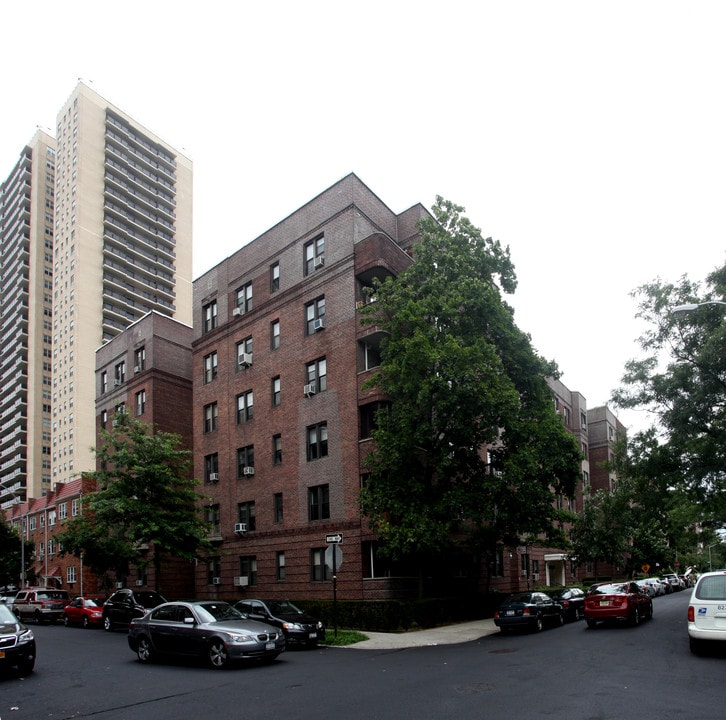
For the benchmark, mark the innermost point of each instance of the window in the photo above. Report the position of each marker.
(210, 417)
(319, 571)
(370, 355)
(244, 353)
(246, 514)
(248, 568)
(140, 402)
(211, 468)
(275, 334)
(277, 507)
(62, 511)
(245, 407)
(277, 449)
(316, 374)
(314, 254)
(274, 277)
(104, 382)
(119, 373)
(315, 316)
(209, 316)
(317, 441)
(210, 367)
(71, 574)
(214, 569)
(368, 418)
(245, 462)
(276, 391)
(139, 359)
(243, 298)
(75, 507)
(319, 502)
(280, 564)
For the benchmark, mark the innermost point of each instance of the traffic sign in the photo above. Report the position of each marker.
(334, 538)
(334, 557)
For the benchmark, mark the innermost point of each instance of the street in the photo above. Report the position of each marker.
(607, 673)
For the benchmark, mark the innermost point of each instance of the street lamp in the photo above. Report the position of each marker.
(710, 566)
(690, 307)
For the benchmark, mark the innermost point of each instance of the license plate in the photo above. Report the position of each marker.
(270, 646)
(509, 612)
(312, 636)
(604, 603)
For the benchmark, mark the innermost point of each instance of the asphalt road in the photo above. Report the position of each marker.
(570, 672)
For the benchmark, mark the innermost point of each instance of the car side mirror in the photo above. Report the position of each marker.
(189, 621)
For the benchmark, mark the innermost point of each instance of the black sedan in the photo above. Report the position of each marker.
(530, 610)
(17, 643)
(206, 629)
(126, 604)
(572, 600)
(299, 628)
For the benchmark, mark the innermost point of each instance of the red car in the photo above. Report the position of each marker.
(85, 611)
(617, 601)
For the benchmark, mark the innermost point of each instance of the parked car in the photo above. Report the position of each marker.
(647, 587)
(572, 600)
(299, 628)
(707, 610)
(17, 642)
(126, 604)
(41, 604)
(530, 610)
(213, 631)
(85, 611)
(617, 601)
(675, 582)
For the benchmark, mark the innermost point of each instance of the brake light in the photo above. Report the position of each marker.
(496, 613)
(691, 614)
(526, 611)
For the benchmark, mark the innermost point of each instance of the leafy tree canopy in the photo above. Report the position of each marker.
(461, 377)
(145, 496)
(681, 379)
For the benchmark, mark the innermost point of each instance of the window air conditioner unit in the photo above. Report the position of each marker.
(535, 576)
(119, 585)
(116, 382)
(319, 261)
(309, 389)
(213, 477)
(241, 581)
(137, 368)
(245, 359)
(318, 324)
(237, 311)
(240, 527)
(524, 573)
(139, 583)
(249, 470)
(216, 581)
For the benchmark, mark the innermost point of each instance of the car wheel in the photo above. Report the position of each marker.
(107, 626)
(636, 617)
(591, 624)
(25, 666)
(560, 619)
(38, 617)
(144, 651)
(66, 621)
(538, 625)
(86, 624)
(217, 654)
(694, 645)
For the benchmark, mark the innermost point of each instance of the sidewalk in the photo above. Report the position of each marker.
(446, 635)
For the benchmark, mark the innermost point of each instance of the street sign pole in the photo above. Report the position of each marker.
(333, 540)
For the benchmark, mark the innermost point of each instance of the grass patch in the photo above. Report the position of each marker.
(345, 637)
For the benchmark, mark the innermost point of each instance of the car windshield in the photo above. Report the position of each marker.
(611, 589)
(53, 595)
(519, 598)
(92, 602)
(283, 607)
(216, 611)
(6, 616)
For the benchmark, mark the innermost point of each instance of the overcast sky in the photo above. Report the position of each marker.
(588, 137)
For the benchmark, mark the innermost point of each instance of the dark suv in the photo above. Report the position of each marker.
(126, 604)
(40, 604)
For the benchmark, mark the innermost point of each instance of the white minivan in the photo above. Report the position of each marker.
(707, 610)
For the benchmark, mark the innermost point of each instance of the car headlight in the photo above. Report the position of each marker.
(292, 626)
(320, 625)
(237, 638)
(25, 637)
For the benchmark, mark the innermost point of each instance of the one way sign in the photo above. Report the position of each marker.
(334, 538)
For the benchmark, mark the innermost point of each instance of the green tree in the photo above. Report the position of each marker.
(11, 554)
(145, 497)
(461, 377)
(681, 380)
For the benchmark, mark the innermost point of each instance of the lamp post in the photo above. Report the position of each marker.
(690, 307)
(710, 566)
